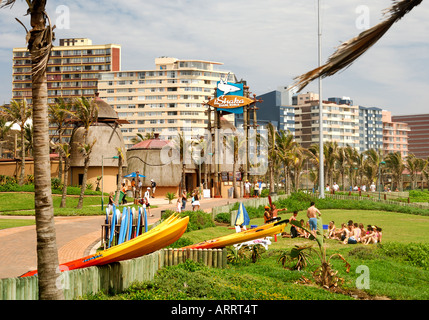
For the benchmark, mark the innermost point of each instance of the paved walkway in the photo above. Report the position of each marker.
(76, 237)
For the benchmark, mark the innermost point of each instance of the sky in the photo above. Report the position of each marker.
(267, 43)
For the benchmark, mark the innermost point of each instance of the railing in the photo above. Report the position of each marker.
(112, 278)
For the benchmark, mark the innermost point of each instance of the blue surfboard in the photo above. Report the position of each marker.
(139, 217)
(130, 223)
(112, 226)
(123, 229)
(145, 220)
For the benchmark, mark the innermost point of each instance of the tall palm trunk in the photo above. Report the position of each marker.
(22, 175)
(66, 181)
(39, 44)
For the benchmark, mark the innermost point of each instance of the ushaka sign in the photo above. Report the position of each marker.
(230, 97)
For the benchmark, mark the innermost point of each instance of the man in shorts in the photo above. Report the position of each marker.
(312, 213)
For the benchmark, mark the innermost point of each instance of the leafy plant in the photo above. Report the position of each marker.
(301, 254)
(170, 196)
(324, 275)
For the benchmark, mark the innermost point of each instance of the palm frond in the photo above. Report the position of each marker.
(352, 49)
(7, 3)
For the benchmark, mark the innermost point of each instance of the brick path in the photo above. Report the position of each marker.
(76, 237)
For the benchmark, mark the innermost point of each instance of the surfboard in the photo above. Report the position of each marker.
(112, 226)
(123, 228)
(139, 217)
(130, 223)
(145, 220)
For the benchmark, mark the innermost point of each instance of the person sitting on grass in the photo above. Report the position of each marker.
(331, 230)
(301, 232)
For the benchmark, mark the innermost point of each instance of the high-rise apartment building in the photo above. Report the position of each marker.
(167, 98)
(395, 135)
(370, 128)
(72, 69)
(418, 136)
(340, 121)
(271, 110)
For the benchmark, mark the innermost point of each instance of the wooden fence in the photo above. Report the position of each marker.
(112, 278)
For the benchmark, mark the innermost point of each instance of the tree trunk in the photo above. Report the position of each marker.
(47, 253)
(118, 187)
(66, 181)
(22, 175)
(84, 179)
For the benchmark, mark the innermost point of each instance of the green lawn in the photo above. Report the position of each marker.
(395, 268)
(12, 223)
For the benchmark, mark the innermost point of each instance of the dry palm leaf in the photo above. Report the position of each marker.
(352, 49)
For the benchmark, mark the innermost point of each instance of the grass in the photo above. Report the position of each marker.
(398, 269)
(19, 204)
(13, 223)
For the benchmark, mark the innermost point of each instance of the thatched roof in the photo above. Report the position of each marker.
(105, 110)
(150, 144)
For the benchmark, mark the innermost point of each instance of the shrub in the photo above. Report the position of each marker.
(417, 254)
(223, 217)
(197, 219)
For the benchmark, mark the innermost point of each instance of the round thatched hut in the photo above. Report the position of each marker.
(153, 158)
(106, 133)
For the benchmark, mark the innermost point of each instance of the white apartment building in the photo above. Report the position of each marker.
(340, 122)
(168, 98)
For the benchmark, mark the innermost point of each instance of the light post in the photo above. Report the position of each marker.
(102, 179)
(379, 179)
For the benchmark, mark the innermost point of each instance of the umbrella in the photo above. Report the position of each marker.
(133, 175)
(242, 216)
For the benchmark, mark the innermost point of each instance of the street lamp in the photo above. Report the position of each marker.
(379, 179)
(102, 179)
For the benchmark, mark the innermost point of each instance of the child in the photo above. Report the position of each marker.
(179, 205)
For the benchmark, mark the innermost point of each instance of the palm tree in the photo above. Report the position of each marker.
(86, 113)
(285, 144)
(396, 166)
(272, 154)
(19, 112)
(4, 128)
(421, 167)
(59, 114)
(39, 40)
(121, 158)
(412, 165)
(140, 137)
(64, 150)
(352, 49)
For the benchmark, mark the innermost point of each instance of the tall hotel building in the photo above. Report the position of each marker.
(168, 98)
(340, 121)
(418, 136)
(72, 69)
(395, 135)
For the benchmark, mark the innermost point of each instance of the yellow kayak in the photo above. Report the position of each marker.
(157, 238)
(239, 237)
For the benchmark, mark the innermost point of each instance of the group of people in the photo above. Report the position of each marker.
(138, 188)
(353, 232)
(350, 233)
(195, 201)
(312, 213)
(258, 186)
(270, 213)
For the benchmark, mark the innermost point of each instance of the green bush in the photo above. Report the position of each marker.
(182, 242)
(417, 254)
(197, 219)
(223, 217)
